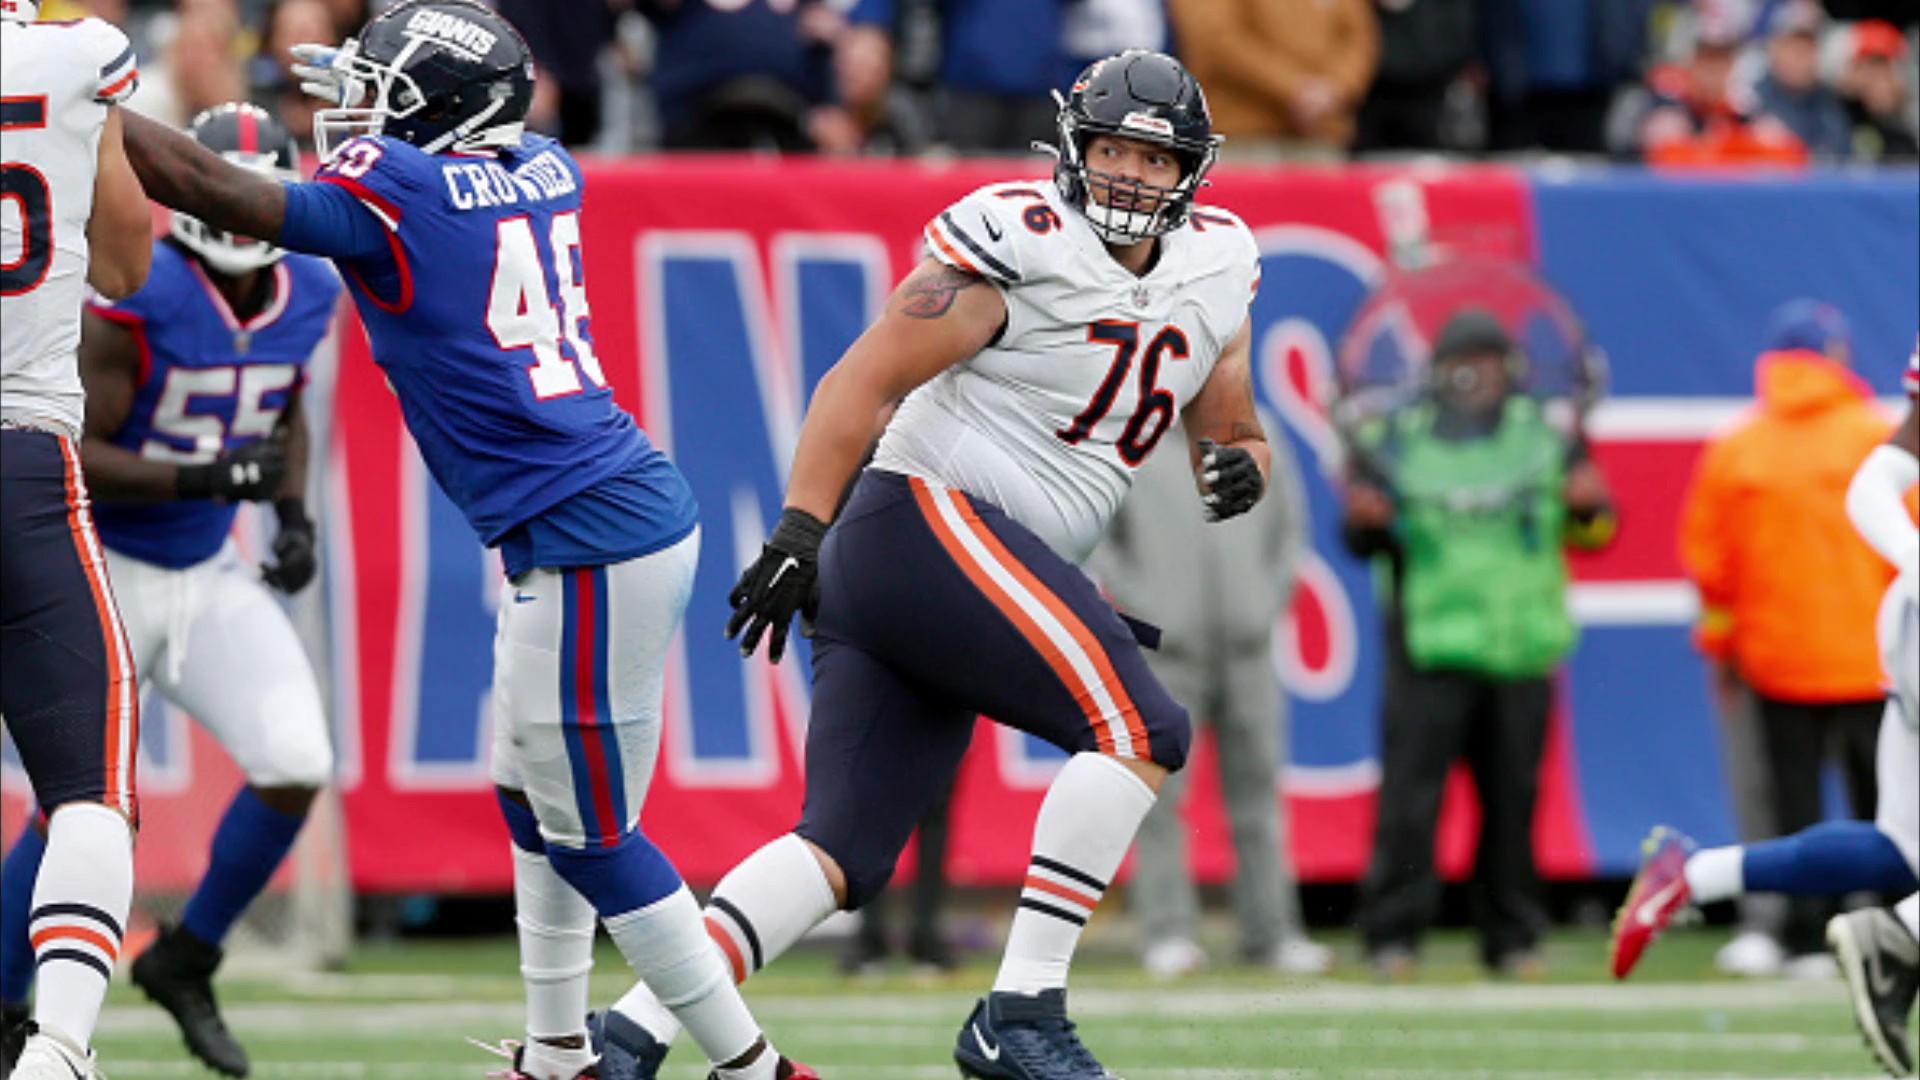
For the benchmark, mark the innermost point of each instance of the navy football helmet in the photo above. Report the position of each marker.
(251, 138)
(1135, 94)
(441, 74)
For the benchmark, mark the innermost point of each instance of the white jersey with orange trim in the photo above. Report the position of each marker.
(57, 83)
(1094, 364)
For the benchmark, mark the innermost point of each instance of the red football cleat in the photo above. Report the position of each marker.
(1659, 893)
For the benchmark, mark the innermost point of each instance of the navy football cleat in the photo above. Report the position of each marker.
(1018, 1037)
(627, 1050)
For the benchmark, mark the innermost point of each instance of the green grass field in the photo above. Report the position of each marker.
(403, 1012)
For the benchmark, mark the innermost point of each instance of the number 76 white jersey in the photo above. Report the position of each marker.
(1049, 422)
(56, 84)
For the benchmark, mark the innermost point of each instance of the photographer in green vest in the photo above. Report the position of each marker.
(1466, 498)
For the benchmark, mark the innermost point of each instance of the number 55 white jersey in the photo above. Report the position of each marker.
(1094, 364)
(55, 87)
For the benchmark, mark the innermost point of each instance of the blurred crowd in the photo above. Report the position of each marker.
(1673, 82)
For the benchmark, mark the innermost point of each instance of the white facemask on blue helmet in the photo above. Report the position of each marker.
(251, 138)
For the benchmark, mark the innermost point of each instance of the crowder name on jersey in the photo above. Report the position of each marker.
(209, 382)
(475, 184)
(477, 312)
(1094, 365)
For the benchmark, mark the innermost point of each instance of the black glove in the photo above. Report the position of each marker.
(294, 561)
(250, 474)
(1232, 479)
(782, 581)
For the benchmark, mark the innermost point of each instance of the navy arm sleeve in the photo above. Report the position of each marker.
(324, 219)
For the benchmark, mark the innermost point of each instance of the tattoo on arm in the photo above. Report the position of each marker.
(177, 171)
(930, 294)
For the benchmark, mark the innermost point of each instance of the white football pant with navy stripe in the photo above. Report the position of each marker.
(579, 671)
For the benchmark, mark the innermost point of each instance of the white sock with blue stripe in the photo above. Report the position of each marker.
(79, 914)
(1086, 824)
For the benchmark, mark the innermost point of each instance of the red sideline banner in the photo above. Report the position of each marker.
(722, 289)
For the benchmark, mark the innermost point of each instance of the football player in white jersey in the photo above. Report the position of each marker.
(1879, 951)
(71, 213)
(230, 324)
(1042, 351)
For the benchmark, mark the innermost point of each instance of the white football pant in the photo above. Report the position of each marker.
(579, 672)
(217, 644)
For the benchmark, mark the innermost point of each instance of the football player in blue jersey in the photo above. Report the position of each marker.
(459, 235)
(193, 405)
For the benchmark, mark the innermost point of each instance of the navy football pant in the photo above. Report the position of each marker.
(935, 608)
(67, 686)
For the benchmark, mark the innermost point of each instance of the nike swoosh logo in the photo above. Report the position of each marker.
(1657, 901)
(523, 598)
(1878, 976)
(789, 564)
(992, 230)
(991, 1051)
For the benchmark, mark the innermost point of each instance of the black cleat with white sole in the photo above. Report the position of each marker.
(176, 971)
(1023, 1037)
(1881, 963)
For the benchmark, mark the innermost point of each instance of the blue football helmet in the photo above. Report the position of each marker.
(251, 138)
(444, 75)
(1135, 94)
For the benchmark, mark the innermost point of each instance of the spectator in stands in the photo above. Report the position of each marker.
(1555, 65)
(1788, 589)
(1791, 90)
(349, 16)
(1092, 29)
(999, 62)
(200, 63)
(1423, 97)
(752, 75)
(567, 42)
(1216, 590)
(1876, 95)
(1283, 77)
(1697, 117)
(289, 23)
(1466, 496)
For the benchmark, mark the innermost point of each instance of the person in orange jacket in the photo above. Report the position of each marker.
(1789, 591)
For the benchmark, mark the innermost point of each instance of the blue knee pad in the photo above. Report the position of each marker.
(626, 877)
(1832, 858)
(521, 824)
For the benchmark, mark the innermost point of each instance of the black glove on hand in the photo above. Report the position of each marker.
(294, 560)
(1232, 478)
(250, 474)
(782, 581)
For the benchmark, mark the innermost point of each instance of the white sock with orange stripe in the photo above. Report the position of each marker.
(1085, 826)
(80, 906)
(760, 909)
(667, 944)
